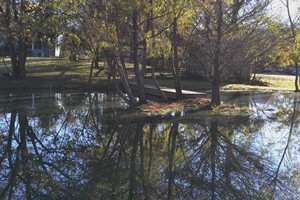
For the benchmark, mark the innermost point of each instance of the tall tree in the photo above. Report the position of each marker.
(228, 36)
(20, 20)
(176, 68)
(178, 14)
(15, 27)
(294, 40)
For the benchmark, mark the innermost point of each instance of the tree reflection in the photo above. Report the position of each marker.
(99, 151)
(208, 164)
(26, 160)
(289, 116)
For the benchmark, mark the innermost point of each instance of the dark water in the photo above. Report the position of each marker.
(92, 146)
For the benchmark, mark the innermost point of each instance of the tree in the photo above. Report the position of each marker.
(228, 36)
(293, 53)
(177, 17)
(15, 26)
(21, 20)
(117, 28)
(174, 42)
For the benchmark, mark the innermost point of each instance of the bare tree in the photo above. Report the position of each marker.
(293, 25)
(227, 37)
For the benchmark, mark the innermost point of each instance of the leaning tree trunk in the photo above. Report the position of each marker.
(129, 98)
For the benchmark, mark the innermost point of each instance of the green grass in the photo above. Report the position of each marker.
(267, 82)
(279, 81)
(191, 84)
(230, 110)
(62, 74)
(47, 66)
(50, 74)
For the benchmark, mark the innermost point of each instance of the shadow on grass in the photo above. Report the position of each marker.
(50, 83)
(258, 82)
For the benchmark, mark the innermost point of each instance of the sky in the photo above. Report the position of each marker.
(277, 8)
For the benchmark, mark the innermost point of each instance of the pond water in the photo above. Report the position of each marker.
(93, 146)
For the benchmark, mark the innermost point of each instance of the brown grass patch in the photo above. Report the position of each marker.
(187, 104)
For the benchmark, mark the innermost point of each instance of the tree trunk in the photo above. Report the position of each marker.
(213, 148)
(14, 61)
(18, 56)
(124, 81)
(156, 84)
(144, 59)
(215, 95)
(138, 74)
(109, 74)
(286, 150)
(22, 57)
(294, 34)
(91, 74)
(23, 122)
(9, 152)
(153, 61)
(96, 63)
(176, 68)
(297, 77)
(133, 172)
(171, 157)
(18, 59)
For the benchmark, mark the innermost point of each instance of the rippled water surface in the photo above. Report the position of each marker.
(93, 146)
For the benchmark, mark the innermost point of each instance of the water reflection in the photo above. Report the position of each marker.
(92, 146)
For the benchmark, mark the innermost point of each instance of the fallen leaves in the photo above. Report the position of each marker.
(190, 104)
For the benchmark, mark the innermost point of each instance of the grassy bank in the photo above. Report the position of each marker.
(50, 74)
(265, 82)
(63, 75)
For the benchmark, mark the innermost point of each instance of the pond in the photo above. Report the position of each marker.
(93, 146)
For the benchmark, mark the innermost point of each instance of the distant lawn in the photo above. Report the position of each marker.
(63, 74)
(50, 73)
(279, 81)
(54, 74)
(49, 66)
(266, 82)
(187, 83)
